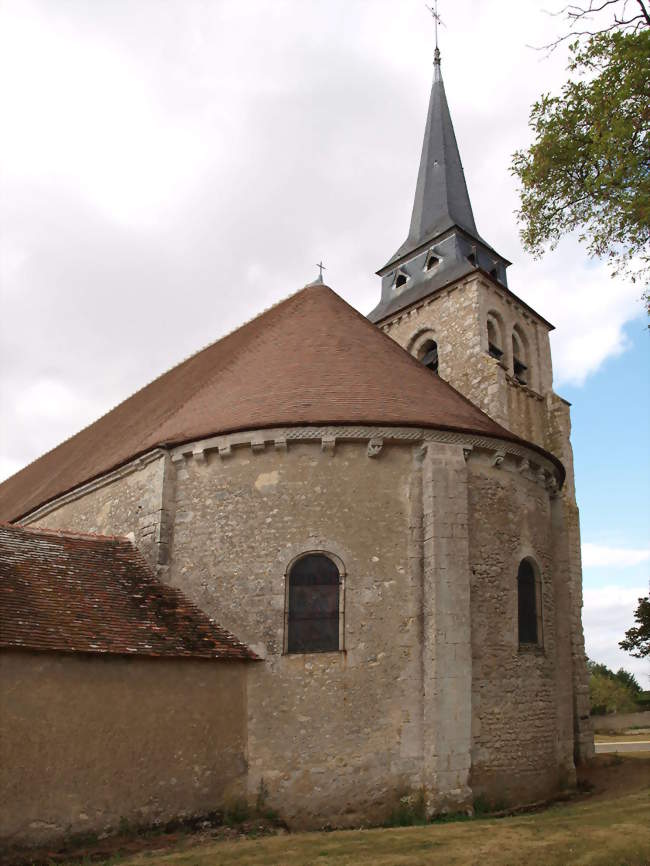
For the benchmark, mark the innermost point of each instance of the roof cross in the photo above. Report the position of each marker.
(321, 267)
(436, 20)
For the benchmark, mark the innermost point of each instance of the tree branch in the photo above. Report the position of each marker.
(644, 11)
(575, 14)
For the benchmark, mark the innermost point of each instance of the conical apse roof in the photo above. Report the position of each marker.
(312, 359)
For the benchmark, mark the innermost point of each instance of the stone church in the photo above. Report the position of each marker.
(380, 509)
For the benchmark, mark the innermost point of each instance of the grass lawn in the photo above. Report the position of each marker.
(610, 828)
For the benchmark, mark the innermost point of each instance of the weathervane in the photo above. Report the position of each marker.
(436, 20)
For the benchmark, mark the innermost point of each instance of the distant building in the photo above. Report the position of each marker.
(382, 510)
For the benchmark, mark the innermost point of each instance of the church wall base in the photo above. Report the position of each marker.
(89, 742)
(429, 690)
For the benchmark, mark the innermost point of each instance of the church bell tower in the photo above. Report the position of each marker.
(445, 298)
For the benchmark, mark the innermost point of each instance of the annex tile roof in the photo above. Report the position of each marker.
(65, 592)
(311, 359)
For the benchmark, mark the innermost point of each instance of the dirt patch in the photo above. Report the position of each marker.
(196, 831)
(624, 737)
(614, 775)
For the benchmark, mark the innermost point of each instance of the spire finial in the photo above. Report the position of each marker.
(436, 20)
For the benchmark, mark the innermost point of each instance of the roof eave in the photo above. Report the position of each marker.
(174, 443)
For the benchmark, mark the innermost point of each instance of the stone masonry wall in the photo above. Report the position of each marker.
(447, 645)
(451, 318)
(132, 504)
(337, 737)
(430, 682)
(457, 319)
(89, 741)
(522, 696)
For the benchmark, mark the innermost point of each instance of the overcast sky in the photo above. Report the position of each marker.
(172, 167)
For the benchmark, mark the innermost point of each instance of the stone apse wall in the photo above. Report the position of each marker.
(132, 501)
(430, 687)
(456, 317)
(87, 742)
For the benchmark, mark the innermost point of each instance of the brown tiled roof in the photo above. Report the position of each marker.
(312, 359)
(94, 594)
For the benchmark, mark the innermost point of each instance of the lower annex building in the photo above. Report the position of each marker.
(381, 510)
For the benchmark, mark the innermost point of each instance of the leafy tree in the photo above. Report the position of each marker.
(628, 680)
(637, 638)
(588, 168)
(612, 692)
(609, 695)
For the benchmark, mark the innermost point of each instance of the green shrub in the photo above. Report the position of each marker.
(411, 811)
(236, 812)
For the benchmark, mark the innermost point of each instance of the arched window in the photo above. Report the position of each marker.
(313, 605)
(495, 338)
(529, 603)
(428, 355)
(519, 359)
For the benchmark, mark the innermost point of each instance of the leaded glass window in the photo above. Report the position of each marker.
(313, 605)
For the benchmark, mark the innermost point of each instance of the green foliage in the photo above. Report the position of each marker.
(236, 813)
(622, 676)
(481, 805)
(643, 700)
(124, 828)
(610, 695)
(240, 811)
(612, 692)
(588, 168)
(411, 811)
(629, 680)
(262, 808)
(637, 638)
(262, 796)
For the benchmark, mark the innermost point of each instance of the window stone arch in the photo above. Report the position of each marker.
(520, 356)
(314, 603)
(425, 347)
(495, 336)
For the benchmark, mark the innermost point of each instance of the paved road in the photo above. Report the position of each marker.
(640, 746)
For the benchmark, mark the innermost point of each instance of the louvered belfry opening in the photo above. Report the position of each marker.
(429, 355)
(313, 605)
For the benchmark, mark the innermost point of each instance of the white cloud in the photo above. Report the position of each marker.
(601, 556)
(151, 177)
(607, 614)
(588, 308)
(83, 117)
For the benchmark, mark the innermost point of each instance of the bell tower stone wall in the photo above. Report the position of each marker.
(472, 321)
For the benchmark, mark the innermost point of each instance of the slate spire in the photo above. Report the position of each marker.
(441, 197)
(443, 243)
